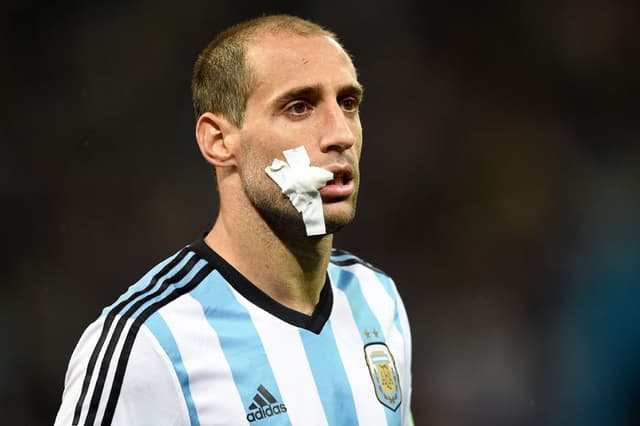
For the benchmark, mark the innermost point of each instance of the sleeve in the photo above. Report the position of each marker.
(149, 392)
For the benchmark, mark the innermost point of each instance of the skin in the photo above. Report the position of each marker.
(307, 93)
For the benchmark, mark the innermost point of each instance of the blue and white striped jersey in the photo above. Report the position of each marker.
(195, 343)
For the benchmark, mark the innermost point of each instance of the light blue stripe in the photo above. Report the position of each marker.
(363, 315)
(330, 376)
(338, 257)
(365, 319)
(161, 331)
(240, 342)
(389, 287)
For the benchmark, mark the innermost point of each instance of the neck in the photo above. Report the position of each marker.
(291, 271)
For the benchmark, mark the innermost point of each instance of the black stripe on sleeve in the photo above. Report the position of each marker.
(352, 260)
(107, 326)
(131, 337)
(115, 337)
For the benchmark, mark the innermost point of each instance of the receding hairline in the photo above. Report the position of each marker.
(260, 41)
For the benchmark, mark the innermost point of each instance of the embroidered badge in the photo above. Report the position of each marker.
(384, 374)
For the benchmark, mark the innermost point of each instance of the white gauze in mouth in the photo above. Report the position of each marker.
(300, 181)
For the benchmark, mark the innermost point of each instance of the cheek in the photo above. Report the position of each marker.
(254, 144)
(358, 145)
(357, 131)
(268, 142)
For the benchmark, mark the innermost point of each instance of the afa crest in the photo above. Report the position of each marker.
(384, 374)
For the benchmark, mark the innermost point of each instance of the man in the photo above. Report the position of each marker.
(260, 322)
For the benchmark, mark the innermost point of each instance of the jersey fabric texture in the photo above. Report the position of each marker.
(195, 343)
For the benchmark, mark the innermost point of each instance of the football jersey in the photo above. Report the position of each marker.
(195, 343)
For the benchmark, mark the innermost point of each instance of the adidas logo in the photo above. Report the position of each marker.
(264, 405)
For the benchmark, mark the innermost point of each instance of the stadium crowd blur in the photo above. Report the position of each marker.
(501, 189)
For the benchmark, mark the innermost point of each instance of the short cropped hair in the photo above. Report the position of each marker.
(222, 81)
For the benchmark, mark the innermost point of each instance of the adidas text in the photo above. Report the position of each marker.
(268, 411)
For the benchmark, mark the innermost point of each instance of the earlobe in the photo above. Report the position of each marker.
(215, 139)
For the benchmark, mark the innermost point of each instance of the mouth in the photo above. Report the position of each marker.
(341, 186)
(340, 179)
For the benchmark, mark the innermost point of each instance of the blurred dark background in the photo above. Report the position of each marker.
(501, 188)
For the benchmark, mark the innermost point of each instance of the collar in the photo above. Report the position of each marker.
(248, 290)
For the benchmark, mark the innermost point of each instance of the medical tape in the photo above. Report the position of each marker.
(300, 182)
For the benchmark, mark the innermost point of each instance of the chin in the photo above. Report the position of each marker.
(285, 221)
(335, 222)
(332, 228)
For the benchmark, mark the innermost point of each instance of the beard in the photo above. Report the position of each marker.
(278, 212)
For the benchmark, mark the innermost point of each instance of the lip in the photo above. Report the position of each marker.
(342, 184)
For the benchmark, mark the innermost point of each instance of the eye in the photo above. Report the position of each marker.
(350, 104)
(298, 108)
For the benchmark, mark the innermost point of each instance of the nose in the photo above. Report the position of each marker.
(340, 130)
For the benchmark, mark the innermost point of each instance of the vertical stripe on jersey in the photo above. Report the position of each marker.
(239, 340)
(161, 331)
(349, 283)
(156, 274)
(393, 295)
(330, 376)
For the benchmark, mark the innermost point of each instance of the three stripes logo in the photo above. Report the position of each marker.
(264, 405)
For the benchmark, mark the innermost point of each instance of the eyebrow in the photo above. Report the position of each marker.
(352, 90)
(314, 92)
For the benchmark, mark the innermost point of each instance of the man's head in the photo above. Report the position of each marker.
(285, 83)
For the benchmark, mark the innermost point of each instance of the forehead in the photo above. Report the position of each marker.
(283, 61)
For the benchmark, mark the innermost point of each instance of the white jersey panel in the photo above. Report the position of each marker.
(212, 385)
(290, 366)
(150, 393)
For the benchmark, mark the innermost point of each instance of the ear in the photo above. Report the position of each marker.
(216, 138)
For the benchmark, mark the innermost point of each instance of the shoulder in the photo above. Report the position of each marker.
(126, 351)
(349, 271)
